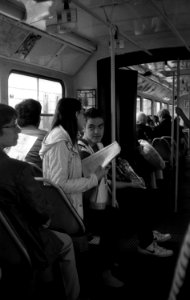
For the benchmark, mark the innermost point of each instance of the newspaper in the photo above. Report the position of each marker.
(24, 144)
(100, 158)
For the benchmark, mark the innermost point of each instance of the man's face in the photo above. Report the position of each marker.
(9, 134)
(94, 130)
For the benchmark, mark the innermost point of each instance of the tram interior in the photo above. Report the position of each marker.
(35, 33)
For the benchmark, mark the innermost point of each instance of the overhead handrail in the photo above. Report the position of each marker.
(108, 24)
(170, 24)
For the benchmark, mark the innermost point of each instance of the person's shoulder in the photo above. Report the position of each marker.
(34, 131)
(15, 165)
(82, 142)
(84, 149)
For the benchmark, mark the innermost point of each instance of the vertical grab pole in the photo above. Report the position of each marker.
(113, 116)
(177, 142)
(172, 132)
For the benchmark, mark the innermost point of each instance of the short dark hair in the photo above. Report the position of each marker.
(29, 111)
(7, 113)
(65, 115)
(93, 113)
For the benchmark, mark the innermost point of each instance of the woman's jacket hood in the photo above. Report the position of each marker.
(57, 135)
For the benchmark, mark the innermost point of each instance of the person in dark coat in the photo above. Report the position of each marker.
(143, 130)
(23, 201)
(164, 127)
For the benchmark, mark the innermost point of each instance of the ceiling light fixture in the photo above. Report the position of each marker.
(13, 8)
(63, 20)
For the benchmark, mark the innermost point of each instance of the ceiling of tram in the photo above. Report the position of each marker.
(35, 32)
(159, 79)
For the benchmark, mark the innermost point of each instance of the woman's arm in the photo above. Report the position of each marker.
(66, 170)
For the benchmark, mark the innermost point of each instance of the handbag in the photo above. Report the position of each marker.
(124, 172)
(98, 196)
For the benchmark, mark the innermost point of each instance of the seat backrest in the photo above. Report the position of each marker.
(12, 249)
(64, 217)
(163, 148)
(36, 169)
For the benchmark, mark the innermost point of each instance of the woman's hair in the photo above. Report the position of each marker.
(28, 111)
(7, 113)
(65, 115)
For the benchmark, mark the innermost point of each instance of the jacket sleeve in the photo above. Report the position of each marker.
(67, 176)
(32, 197)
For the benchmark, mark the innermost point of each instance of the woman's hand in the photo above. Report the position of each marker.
(101, 172)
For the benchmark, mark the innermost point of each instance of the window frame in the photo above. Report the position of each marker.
(38, 76)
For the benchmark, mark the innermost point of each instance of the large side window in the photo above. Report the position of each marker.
(138, 108)
(46, 91)
(157, 107)
(147, 106)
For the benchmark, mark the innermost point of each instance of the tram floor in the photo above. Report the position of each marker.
(145, 277)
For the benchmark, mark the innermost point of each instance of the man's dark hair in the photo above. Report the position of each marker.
(29, 111)
(93, 113)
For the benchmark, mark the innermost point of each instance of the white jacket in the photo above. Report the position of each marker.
(62, 165)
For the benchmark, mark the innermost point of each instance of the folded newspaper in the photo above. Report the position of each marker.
(23, 146)
(100, 158)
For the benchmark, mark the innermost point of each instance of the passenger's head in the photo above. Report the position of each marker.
(164, 114)
(94, 126)
(29, 111)
(156, 120)
(9, 129)
(141, 118)
(69, 114)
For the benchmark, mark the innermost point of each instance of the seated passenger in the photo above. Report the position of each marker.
(29, 112)
(23, 201)
(143, 130)
(61, 159)
(129, 196)
(164, 127)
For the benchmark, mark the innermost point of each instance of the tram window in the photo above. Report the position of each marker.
(147, 106)
(46, 91)
(164, 105)
(138, 109)
(157, 107)
(170, 109)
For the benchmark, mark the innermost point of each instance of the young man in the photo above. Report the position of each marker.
(133, 207)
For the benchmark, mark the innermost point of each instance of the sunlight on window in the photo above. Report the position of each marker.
(47, 92)
(147, 106)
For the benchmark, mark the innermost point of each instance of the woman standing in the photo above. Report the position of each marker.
(61, 159)
(62, 162)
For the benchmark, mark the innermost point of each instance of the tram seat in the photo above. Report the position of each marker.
(163, 148)
(64, 217)
(19, 278)
(169, 140)
(15, 262)
(36, 169)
